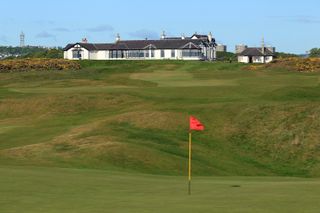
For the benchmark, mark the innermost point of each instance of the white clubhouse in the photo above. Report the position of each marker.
(196, 47)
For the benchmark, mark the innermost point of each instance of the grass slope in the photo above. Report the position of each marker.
(30, 190)
(132, 116)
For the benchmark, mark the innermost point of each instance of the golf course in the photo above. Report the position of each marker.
(113, 137)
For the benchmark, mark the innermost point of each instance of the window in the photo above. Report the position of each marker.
(147, 53)
(118, 54)
(152, 53)
(137, 53)
(162, 53)
(173, 53)
(257, 59)
(77, 53)
(191, 53)
(114, 54)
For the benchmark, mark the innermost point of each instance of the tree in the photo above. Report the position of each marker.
(315, 52)
(285, 55)
(226, 56)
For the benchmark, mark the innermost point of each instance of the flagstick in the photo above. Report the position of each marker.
(190, 147)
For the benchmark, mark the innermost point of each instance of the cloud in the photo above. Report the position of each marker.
(100, 28)
(45, 34)
(298, 19)
(62, 29)
(144, 33)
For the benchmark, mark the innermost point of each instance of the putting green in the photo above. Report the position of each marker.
(180, 79)
(51, 190)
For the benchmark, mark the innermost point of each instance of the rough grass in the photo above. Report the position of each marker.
(133, 116)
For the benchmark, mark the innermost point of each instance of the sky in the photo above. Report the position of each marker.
(289, 25)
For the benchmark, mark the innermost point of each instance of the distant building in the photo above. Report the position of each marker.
(22, 39)
(221, 48)
(196, 47)
(255, 54)
(240, 48)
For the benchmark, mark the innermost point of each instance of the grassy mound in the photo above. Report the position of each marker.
(133, 116)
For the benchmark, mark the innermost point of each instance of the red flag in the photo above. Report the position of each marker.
(195, 124)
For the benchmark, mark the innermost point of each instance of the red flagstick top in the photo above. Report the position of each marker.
(195, 124)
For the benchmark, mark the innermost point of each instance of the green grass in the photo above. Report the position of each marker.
(30, 190)
(133, 116)
(112, 137)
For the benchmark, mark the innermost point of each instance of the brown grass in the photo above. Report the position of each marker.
(297, 64)
(153, 119)
(24, 65)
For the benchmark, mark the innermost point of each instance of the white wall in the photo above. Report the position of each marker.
(69, 54)
(269, 59)
(243, 59)
(93, 55)
(255, 59)
(105, 55)
(102, 55)
(258, 59)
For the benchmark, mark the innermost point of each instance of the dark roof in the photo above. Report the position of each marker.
(203, 37)
(175, 38)
(87, 46)
(256, 51)
(143, 44)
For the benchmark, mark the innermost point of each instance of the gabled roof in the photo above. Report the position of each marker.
(189, 45)
(142, 44)
(87, 46)
(255, 51)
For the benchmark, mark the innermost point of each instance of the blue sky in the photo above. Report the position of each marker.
(290, 25)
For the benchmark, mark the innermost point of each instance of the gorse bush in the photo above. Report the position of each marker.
(302, 64)
(291, 64)
(24, 65)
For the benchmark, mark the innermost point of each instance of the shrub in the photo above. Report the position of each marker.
(24, 65)
(297, 64)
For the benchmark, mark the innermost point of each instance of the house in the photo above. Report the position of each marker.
(255, 54)
(221, 48)
(196, 47)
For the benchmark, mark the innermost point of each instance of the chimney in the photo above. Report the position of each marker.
(84, 40)
(163, 36)
(263, 46)
(118, 37)
(210, 37)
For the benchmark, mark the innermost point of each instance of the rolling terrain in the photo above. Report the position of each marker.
(112, 137)
(133, 116)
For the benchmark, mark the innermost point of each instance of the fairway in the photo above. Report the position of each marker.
(30, 190)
